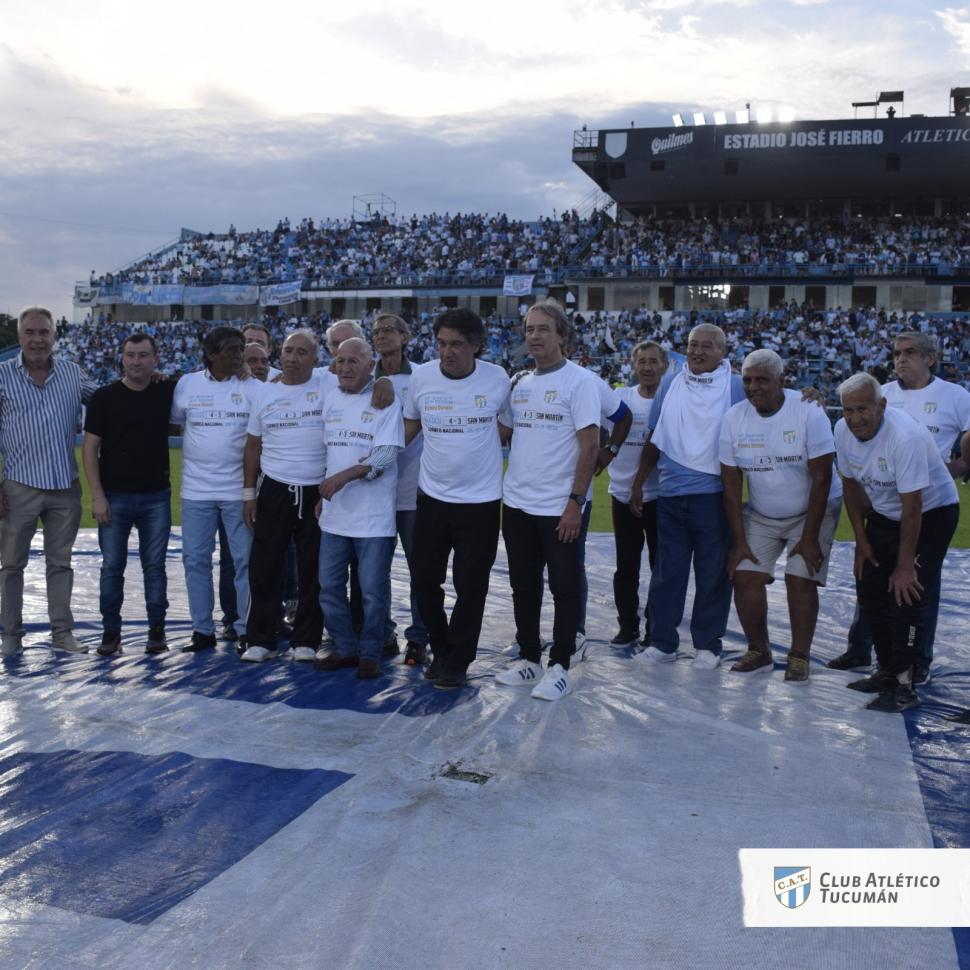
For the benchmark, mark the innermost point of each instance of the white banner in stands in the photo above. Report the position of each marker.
(517, 285)
(280, 294)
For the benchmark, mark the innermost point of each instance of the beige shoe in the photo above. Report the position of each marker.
(752, 661)
(69, 642)
(797, 669)
(12, 646)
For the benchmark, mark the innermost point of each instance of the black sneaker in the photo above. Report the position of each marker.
(921, 674)
(110, 643)
(962, 718)
(899, 697)
(433, 671)
(450, 680)
(156, 640)
(242, 645)
(646, 641)
(200, 641)
(228, 633)
(625, 638)
(849, 661)
(874, 684)
(391, 649)
(416, 654)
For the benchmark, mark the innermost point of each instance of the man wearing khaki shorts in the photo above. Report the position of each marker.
(784, 447)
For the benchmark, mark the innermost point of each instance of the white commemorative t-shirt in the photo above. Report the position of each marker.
(213, 415)
(610, 402)
(900, 457)
(289, 419)
(409, 460)
(623, 468)
(773, 453)
(354, 428)
(462, 457)
(943, 408)
(273, 373)
(547, 411)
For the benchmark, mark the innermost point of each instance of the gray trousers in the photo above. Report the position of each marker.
(59, 510)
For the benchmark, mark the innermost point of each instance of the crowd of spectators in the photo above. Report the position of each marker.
(475, 247)
(414, 251)
(819, 347)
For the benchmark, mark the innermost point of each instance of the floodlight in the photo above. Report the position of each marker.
(763, 116)
(720, 118)
(678, 121)
(699, 118)
(742, 117)
(786, 114)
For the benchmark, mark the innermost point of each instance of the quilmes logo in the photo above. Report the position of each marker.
(671, 142)
(480, 400)
(792, 885)
(312, 396)
(237, 398)
(883, 465)
(789, 437)
(930, 407)
(549, 397)
(367, 416)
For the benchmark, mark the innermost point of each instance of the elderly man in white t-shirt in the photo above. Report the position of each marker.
(357, 511)
(783, 447)
(904, 509)
(286, 451)
(213, 405)
(556, 413)
(943, 408)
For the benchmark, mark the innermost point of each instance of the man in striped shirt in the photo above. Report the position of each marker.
(40, 411)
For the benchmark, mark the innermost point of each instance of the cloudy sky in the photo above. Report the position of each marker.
(121, 122)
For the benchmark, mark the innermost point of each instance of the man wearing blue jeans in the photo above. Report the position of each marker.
(692, 526)
(213, 405)
(357, 511)
(125, 454)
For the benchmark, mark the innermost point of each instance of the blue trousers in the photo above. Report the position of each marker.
(690, 528)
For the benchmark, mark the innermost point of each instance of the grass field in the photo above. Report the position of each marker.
(600, 521)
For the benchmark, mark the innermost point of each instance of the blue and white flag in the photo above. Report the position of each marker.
(227, 294)
(280, 294)
(519, 285)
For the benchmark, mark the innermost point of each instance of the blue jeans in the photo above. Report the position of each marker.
(374, 556)
(416, 632)
(200, 523)
(690, 527)
(151, 514)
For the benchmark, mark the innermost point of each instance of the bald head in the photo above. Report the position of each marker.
(353, 363)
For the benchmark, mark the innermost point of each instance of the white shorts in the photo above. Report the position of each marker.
(767, 538)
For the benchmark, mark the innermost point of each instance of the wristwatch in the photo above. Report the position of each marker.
(614, 450)
(580, 500)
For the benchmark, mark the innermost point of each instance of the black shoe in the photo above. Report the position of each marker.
(200, 641)
(391, 649)
(849, 661)
(450, 680)
(156, 640)
(646, 641)
(921, 674)
(899, 697)
(228, 633)
(110, 643)
(242, 645)
(962, 718)
(433, 671)
(416, 654)
(625, 638)
(873, 684)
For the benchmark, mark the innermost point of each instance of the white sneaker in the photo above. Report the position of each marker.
(554, 684)
(686, 653)
(579, 654)
(522, 672)
(70, 643)
(303, 653)
(653, 655)
(512, 650)
(257, 655)
(706, 660)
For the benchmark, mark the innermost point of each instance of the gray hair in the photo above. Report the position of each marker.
(359, 344)
(859, 382)
(646, 345)
(357, 329)
(554, 311)
(399, 325)
(925, 343)
(764, 358)
(715, 331)
(41, 311)
(309, 334)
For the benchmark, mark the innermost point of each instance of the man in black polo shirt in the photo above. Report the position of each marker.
(125, 456)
